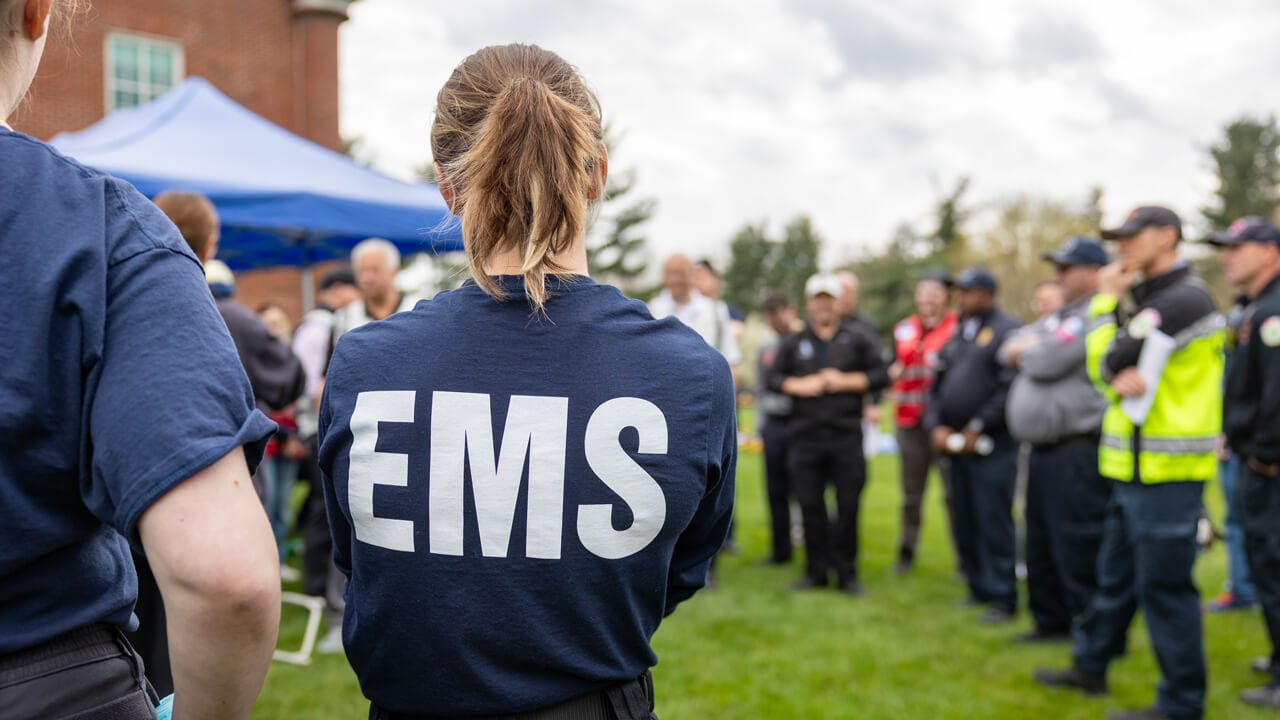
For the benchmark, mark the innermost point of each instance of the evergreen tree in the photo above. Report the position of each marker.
(1247, 163)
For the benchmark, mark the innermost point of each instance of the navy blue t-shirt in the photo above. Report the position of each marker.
(518, 501)
(118, 380)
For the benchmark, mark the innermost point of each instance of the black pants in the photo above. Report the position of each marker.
(982, 517)
(1147, 557)
(773, 432)
(87, 674)
(151, 639)
(1066, 506)
(1258, 498)
(830, 546)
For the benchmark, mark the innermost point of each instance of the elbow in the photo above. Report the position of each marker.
(241, 592)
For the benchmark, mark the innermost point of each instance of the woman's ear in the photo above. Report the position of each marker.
(601, 175)
(35, 18)
(446, 189)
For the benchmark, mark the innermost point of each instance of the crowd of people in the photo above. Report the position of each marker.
(1111, 405)
(512, 484)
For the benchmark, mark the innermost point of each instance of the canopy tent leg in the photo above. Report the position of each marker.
(306, 274)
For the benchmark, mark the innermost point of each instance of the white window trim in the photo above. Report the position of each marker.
(145, 40)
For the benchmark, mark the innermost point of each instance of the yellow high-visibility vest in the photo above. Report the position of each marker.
(1178, 439)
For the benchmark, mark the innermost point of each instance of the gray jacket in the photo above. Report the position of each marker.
(1052, 397)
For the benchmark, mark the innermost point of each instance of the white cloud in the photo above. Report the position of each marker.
(855, 112)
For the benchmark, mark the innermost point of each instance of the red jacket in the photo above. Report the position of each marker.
(917, 351)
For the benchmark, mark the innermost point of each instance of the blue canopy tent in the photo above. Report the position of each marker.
(283, 200)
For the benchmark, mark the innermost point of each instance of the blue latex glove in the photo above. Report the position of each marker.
(164, 711)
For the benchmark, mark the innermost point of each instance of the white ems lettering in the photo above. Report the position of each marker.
(535, 431)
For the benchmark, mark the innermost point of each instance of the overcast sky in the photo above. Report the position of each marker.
(858, 113)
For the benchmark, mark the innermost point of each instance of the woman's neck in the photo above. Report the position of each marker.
(573, 262)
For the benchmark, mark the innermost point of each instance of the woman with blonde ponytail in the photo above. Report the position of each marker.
(524, 475)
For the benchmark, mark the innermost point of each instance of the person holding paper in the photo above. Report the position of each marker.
(1159, 464)
(1250, 252)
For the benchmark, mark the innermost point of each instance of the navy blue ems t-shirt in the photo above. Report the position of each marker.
(518, 501)
(118, 380)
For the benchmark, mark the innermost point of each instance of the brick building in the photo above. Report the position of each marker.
(279, 58)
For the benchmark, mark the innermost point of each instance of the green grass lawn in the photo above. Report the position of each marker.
(753, 649)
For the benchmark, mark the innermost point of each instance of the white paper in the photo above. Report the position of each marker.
(1156, 350)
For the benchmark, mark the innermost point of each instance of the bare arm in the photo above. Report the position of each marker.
(215, 561)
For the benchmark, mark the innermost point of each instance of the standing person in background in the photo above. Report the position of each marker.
(284, 451)
(707, 281)
(499, 579)
(1239, 592)
(127, 421)
(709, 318)
(847, 307)
(773, 412)
(1250, 253)
(917, 342)
(966, 420)
(313, 343)
(826, 369)
(1159, 461)
(376, 263)
(1054, 407)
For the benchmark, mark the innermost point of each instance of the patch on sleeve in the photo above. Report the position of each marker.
(1269, 331)
(1143, 323)
(1069, 330)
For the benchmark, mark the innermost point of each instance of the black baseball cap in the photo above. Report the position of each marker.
(338, 276)
(1246, 229)
(975, 278)
(1079, 250)
(1144, 217)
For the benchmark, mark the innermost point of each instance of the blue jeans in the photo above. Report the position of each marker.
(279, 475)
(1148, 552)
(1238, 582)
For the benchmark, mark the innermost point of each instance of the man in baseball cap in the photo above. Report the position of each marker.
(1054, 407)
(1159, 461)
(1250, 253)
(967, 403)
(827, 368)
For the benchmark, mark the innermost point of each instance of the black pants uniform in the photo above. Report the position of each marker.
(774, 435)
(813, 464)
(982, 518)
(1066, 506)
(1258, 498)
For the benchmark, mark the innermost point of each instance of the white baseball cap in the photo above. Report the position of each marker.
(820, 283)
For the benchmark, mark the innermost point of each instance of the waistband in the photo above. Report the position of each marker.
(1091, 438)
(632, 700)
(80, 646)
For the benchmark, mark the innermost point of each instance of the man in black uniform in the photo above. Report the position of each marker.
(966, 420)
(827, 368)
(1251, 418)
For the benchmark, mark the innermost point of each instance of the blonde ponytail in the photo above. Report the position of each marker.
(517, 135)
